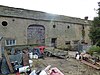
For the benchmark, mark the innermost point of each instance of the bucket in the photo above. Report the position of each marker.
(35, 56)
(23, 69)
(31, 63)
(31, 55)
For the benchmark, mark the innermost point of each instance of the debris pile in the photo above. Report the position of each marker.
(56, 53)
(16, 60)
(86, 58)
(19, 61)
(47, 71)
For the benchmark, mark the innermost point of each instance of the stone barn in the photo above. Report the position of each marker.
(21, 27)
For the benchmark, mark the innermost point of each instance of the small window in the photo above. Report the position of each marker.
(75, 41)
(67, 42)
(4, 23)
(54, 26)
(13, 19)
(68, 27)
(83, 27)
(10, 42)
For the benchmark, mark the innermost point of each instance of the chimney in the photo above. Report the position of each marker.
(86, 17)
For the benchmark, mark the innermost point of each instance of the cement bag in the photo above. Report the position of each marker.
(33, 72)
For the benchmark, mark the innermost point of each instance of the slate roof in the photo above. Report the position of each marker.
(37, 15)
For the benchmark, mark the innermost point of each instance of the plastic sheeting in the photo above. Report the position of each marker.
(4, 67)
(17, 57)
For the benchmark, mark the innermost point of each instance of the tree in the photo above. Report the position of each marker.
(95, 29)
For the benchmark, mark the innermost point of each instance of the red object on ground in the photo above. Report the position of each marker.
(17, 73)
(41, 48)
(56, 71)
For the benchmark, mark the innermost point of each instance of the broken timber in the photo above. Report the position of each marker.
(25, 60)
(8, 61)
(89, 64)
(57, 53)
(98, 63)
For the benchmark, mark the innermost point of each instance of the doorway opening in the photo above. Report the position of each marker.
(36, 34)
(54, 42)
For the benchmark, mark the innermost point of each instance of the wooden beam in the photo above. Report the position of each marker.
(89, 64)
(98, 63)
(25, 60)
(8, 61)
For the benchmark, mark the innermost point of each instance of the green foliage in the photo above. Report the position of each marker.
(95, 30)
(83, 33)
(95, 35)
(93, 49)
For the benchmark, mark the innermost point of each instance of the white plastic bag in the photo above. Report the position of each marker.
(35, 56)
(78, 57)
(23, 69)
(31, 55)
(43, 72)
(33, 72)
(31, 63)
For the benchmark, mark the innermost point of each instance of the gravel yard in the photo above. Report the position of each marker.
(69, 67)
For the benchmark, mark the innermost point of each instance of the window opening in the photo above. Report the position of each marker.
(4, 23)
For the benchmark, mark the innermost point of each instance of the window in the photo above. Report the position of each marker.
(68, 27)
(83, 27)
(53, 42)
(4, 23)
(75, 41)
(10, 42)
(54, 26)
(67, 42)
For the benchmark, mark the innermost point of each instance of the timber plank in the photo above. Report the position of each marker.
(98, 63)
(89, 64)
(8, 61)
(25, 60)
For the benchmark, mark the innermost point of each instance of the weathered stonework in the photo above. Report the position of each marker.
(66, 28)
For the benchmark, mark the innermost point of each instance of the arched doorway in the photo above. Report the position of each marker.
(36, 34)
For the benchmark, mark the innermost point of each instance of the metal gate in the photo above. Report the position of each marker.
(36, 34)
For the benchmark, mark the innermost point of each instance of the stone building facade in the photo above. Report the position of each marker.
(21, 27)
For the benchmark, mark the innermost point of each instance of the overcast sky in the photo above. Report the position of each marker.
(73, 8)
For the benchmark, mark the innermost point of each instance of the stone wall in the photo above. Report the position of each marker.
(56, 26)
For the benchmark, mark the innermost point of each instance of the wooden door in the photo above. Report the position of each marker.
(36, 34)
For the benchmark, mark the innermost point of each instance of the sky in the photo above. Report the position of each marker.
(72, 8)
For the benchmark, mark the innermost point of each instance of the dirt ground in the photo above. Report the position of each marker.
(70, 66)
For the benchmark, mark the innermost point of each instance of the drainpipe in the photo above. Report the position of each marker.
(0, 46)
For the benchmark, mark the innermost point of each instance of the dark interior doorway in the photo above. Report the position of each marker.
(54, 42)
